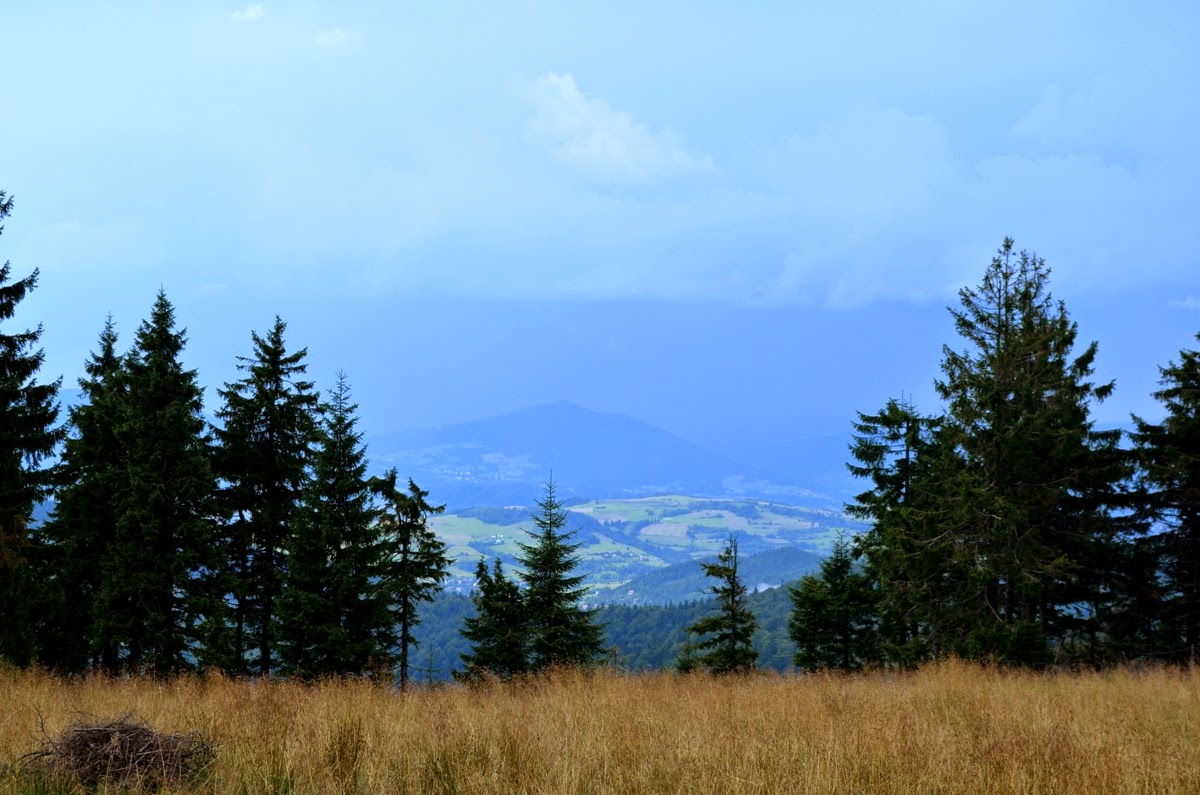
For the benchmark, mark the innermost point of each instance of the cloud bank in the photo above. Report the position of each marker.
(587, 155)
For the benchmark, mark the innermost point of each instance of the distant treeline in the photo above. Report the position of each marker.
(1004, 527)
(637, 638)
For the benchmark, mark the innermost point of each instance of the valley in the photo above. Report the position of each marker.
(645, 550)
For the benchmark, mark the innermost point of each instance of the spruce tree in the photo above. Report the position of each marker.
(994, 531)
(334, 612)
(726, 642)
(418, 563)
(833, 621)
(1029, 505)
(28, 411)
(154, 589)
(688, 660)
(74, 633)
(560, 631)
(1169, 458)
(497, 632)
(264, 446)
(906, 552)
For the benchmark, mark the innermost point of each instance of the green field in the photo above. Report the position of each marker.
(623, 539)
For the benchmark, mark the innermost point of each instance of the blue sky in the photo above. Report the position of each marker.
(734, 221)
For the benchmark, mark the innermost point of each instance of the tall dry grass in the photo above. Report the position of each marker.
(951, 728)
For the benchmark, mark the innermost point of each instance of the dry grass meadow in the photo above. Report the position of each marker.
(951, 728)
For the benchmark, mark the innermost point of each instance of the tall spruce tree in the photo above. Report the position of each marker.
(833, 621)
(28, 412)
(994, 532)
(154, 589)
(265, 440)
(74, 633)
(726, 642)
(561, 632)
(1169, 458)
(334, 611)
(1036, 479)
(418, 564)
(497, 632)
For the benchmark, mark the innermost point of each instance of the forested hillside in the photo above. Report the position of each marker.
(638, 638)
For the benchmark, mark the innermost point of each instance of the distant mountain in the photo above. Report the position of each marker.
(505, 460)
(685, 582)
(817, 463)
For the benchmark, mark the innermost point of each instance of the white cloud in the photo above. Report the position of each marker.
(1190, 302)
(603, 142)
(249, 14)
(335, 37)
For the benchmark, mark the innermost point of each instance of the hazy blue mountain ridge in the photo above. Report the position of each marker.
(684, 582)
(505, 460)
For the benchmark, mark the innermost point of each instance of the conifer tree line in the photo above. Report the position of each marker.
(1003, 526)
(1006, 526)
(256, 545)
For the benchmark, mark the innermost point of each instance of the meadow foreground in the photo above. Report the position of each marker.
(951, 728)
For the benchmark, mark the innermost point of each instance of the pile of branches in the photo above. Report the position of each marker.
(124, 752)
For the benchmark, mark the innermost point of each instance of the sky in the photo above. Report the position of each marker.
(738, 222)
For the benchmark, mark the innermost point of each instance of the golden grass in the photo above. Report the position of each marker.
(951, 728)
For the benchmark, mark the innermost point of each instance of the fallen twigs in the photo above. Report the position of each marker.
(126, 752)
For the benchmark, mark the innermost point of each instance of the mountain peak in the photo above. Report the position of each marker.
(590, 452)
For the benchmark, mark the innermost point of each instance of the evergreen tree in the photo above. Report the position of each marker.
(688, 660)
(1028, 506)
(994, 534)
(560, 631)
(727, 636)
(418, 563)
(262, 459)
(28, 411)
(1169, 456)
(833, 615)
(92, 477)
(154, 575)
(907, 556)
(334, 612)
(497, 632)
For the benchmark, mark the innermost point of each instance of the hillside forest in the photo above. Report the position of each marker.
(1002, 525)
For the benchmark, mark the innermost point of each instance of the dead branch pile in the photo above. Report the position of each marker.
(123, 752)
